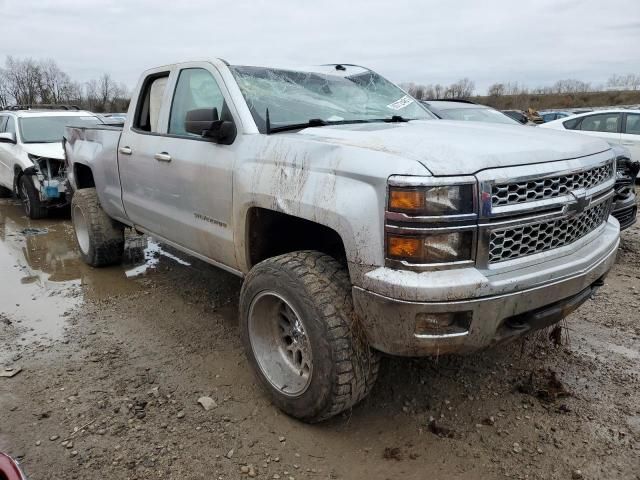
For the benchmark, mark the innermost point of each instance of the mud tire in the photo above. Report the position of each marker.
(33, 207)
(345, 368)
(100, 239)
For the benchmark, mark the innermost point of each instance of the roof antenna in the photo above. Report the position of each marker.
(268, 122)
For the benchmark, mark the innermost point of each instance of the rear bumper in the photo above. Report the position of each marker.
(392, 327)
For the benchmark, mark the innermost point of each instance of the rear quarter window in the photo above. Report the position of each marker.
(149, 105)
(572, 124)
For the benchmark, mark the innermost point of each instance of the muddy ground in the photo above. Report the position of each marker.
(113, 362)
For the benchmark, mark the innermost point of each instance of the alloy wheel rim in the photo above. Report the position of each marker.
(25, 197)
(280, 343)
(81, 229)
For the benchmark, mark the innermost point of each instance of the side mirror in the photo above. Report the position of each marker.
(7, 137)
(205, 122)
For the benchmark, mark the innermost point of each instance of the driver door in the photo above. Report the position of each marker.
(182, 190)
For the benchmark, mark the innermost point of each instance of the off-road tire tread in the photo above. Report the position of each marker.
(106, 236)
(328, 289)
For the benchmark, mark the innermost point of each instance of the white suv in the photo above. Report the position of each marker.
(32, 158)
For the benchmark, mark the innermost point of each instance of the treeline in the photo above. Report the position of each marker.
(569, 93)
(619, 90)
(30, 82)
(461, 89)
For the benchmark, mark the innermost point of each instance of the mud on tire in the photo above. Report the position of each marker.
(100, 239)
(318, 290)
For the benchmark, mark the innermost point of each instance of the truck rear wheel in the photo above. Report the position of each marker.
(302, 337)
(30, 197)
(100, 239)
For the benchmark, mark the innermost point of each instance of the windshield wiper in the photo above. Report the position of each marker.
(314, 122)
(318, 122)
(396, 118)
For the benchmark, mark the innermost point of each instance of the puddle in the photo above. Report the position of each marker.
(151, 253)
(43, 278)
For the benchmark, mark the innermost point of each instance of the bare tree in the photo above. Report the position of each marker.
(55, 85)
(463, 88)
(496, 90)
(23, 79)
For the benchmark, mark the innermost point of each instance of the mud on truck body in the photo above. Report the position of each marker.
(359, 222)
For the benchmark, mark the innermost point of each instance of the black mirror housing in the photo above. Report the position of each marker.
(200, 120)
(223, 132)
(206, 123)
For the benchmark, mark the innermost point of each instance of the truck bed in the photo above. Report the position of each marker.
(96, 147)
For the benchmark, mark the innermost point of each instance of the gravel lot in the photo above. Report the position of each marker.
(114, 361)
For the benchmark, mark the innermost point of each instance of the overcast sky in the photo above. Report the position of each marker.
(531, 41)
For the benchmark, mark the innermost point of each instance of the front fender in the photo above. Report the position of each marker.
(340, 187)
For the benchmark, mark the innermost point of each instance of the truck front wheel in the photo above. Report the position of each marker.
(302, 337)
(100, 239)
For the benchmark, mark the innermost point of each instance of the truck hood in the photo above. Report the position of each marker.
(49, 150)
(447, 147)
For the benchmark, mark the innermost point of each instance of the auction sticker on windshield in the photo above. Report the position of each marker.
(401, 103)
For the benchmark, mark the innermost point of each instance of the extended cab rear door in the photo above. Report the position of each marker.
(178, 185)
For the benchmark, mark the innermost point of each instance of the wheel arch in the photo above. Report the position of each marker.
(269, 233)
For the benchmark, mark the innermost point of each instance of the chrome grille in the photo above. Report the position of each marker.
(520, 241)
(551, 187)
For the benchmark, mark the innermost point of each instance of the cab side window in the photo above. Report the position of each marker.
(196, 90)
(604, 122)
(150, 102)
(633, 124)
(3, 123)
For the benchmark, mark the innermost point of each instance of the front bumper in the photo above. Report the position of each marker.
(625, 211)
(500, 308)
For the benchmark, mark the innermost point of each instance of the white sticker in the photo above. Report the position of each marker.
(401, 103)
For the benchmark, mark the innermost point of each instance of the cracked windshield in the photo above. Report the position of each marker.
(329, 94)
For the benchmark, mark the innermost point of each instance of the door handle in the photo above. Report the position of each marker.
(628, 143)
(125, 150)
(162, 157)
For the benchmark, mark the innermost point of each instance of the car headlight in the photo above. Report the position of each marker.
(434, 200)
(431, 222)
(431, 248)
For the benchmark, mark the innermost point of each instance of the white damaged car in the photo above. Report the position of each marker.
(32, 158)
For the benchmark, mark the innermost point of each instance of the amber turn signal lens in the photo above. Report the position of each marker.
(404, 247)
(406, 200)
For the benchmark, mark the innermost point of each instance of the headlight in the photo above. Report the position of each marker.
(437, 200)
(431, 248)
(431, 222)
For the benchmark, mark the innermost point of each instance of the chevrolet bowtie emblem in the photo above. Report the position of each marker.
(581, 202)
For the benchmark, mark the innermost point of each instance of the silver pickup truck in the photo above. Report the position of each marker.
(359, 222)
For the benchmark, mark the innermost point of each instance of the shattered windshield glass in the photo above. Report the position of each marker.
(332, 94)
